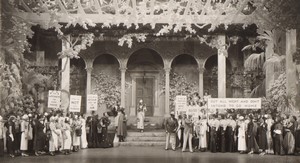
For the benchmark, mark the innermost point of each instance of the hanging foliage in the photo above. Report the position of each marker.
(179, 85)
(107, 88)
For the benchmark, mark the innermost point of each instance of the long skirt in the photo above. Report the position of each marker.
(53, 142)
(213, 140)
(17, 140)
(202, 141)
(140, 123)
(297, 140)
(67, 140)
(39, 142)
(76, 140)
(229, 139)
(278, 144)
(289, 143)
(222, 140)
(252, 144)
(10, 145)
(83, 140)
(262, 140)
(1, 147)
(242, 143)
(24, 142)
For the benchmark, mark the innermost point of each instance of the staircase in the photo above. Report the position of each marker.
(148, 138)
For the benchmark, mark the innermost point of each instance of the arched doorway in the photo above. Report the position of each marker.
(184, 77)
(78, 81)
(106, 82)
(144, 66)
(211, 76)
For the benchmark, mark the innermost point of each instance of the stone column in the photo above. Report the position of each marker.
(89, 80)
(167, 92)
(270, 73)
(291, 48)
(65, 77)
(123, 99)
(133, 97)
(222, 67)
(201, 89)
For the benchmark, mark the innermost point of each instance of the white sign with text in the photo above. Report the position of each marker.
(75, 103)
(54, 99)
(234, 103)
(92, 102)
(180, 105)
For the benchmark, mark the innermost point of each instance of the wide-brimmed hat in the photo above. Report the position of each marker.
(172, 113)
(241, 118)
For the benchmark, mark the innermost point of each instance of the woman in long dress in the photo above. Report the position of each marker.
(141, 109)
(53, 142)
(288, 139)
(77, 128)
(202, 134)
(242, 128)
(104, 123)
(10, 136)
(262, 136)
(121, 130)
(83, 139)
(24, 135)
(39, 135)
(67, 136)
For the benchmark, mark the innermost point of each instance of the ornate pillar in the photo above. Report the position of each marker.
(123, 99)
(201, 89)
(222, 53)
(167, 91)
(291, 48)
(65, 76)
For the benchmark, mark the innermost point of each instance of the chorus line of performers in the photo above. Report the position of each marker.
(55, 133)
(260, 134)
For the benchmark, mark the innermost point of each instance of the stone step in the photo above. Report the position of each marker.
(141, 139)
(142, 143)
(146, 134)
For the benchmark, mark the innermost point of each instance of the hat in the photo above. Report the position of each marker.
(25, 117)
(172, 113)
(241, 118)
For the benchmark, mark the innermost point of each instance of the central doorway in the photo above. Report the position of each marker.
(145, 91)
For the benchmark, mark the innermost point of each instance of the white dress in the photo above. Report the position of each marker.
(53, 142)
(242, 136)
(76, 139)
(83, 139)
(203, 129)
(24, 141)
(67, 137)
(141, 117)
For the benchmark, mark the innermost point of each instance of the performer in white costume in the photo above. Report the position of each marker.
(141, 109)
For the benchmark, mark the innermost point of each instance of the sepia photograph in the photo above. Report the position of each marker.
(149, 81)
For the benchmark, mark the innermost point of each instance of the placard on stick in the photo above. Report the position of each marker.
(54, 99)
(75, 103)
(92, 102)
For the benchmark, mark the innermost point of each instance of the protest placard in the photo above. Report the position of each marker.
(75, 103)
(234, 103)
(92, 102)
(54, 99)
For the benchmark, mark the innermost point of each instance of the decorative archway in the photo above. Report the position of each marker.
(106, 82)
(184, 73)
(211, 76)
(144, 67)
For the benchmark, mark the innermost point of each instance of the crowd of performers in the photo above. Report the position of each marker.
(55, 133)
(253, 133)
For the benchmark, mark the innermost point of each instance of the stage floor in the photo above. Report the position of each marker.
(150, 155)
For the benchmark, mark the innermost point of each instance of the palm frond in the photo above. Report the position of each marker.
(275, 62)
(254, 61)
(259, 91)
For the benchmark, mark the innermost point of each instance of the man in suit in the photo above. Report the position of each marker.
(171, 127)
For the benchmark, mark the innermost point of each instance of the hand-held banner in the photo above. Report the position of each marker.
(234, 103)
(92, 102)
(75, 103)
